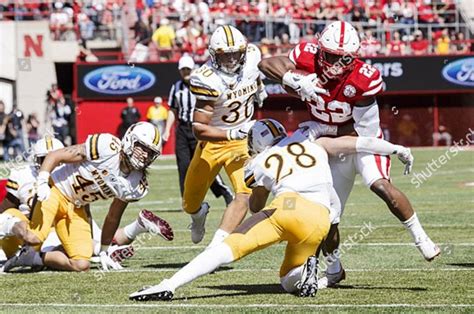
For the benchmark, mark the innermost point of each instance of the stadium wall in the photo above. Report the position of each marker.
(422, 94)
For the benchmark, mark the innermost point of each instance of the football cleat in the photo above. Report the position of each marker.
(160, 292)
(7, 222)
(155, 225)
(308, 285)
(428, 249)
(23, 258)
(118, 253)
(331, 280)
(198, 224)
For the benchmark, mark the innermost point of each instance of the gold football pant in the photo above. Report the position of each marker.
(71, 224)
(207, 161)
(10, 245)
(289, 217)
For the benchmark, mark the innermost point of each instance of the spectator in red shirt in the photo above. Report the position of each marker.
(419, 45)
(395, 47)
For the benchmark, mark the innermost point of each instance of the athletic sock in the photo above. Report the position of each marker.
(334, 264)
(202, 264)
(134, 229)
(413, 225)
(289, 281)
(219, 236)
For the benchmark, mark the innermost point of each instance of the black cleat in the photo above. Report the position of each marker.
(308, 285)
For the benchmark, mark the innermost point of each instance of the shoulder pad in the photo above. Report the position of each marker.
(302, 55)
(367, 79)
(102, 145)
(254, 55)
(204, 83)
(139, 188)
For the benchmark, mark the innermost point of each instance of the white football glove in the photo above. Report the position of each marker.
(108, 263)
(260, 96)
(43, 191)
(241, 132)
(314, 130)
(405, 156)
(304, 85)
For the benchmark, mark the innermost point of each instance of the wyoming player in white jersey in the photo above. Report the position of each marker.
(21, 191)
(101, 168)
(296, 171)
(226, 88)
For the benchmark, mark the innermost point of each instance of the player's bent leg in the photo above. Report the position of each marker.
(233, 215)
(400, 206)
(334, 272)
(60, 261)
(254, 234)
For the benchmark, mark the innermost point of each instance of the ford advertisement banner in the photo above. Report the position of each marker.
(417, 75)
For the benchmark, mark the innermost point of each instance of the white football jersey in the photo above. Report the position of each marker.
(295, 164)
(21, 184)
(99, 177)
(232, 95)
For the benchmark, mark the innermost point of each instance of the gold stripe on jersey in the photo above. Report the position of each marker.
(250, 180)
(94, 147)
(12, 185)
(203, 91)
(229, 36)
(49, 143)
(156, 140)
(272, 127)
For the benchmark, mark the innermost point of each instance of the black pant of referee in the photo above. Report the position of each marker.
(185, 146)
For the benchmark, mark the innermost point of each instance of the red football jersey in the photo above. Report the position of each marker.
(362, 82)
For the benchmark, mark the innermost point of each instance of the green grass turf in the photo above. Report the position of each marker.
(384, 273)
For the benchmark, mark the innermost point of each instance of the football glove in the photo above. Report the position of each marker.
(260, 96)
(313, 130)
(241, 132)
(304, 85)
(43, 191)
(405, 156)
(108, 263)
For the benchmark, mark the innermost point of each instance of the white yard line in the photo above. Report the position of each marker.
(227, 306)
(190, 247)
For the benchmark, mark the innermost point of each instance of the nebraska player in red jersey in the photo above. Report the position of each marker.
(340, 91)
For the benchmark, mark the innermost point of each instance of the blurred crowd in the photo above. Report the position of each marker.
(68, 20)
(166, 29)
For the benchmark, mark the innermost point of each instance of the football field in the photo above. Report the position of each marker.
(384, 270)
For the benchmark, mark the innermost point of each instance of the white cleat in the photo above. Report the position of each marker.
(198, 224)
(428, 249)
(308, 285)
(331, 280)
(7, 222)
(160, 292)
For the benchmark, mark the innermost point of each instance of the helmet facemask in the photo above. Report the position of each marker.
(141, 155)
(229, 61)
(335, 64)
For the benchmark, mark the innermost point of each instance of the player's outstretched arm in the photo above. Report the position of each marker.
(71, 154)
(275, 68)
(201, 119)
(371, 145)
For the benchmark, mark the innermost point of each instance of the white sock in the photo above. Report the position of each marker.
(218, 238)
(413, 225)
(133, 230)
(289, 281)
(201, 265)
(334, 264)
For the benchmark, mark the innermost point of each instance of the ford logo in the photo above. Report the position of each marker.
(460, 72)
(119, 80)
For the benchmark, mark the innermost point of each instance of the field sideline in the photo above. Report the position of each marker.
(385, 272)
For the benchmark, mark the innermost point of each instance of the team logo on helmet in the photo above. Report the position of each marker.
(349, 91)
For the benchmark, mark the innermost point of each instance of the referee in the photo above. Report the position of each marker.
(182, 102)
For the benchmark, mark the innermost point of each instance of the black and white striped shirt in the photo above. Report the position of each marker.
(183, 101)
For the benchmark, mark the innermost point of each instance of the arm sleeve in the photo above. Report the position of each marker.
(378, 146)
(366, 120)
(171, 100)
